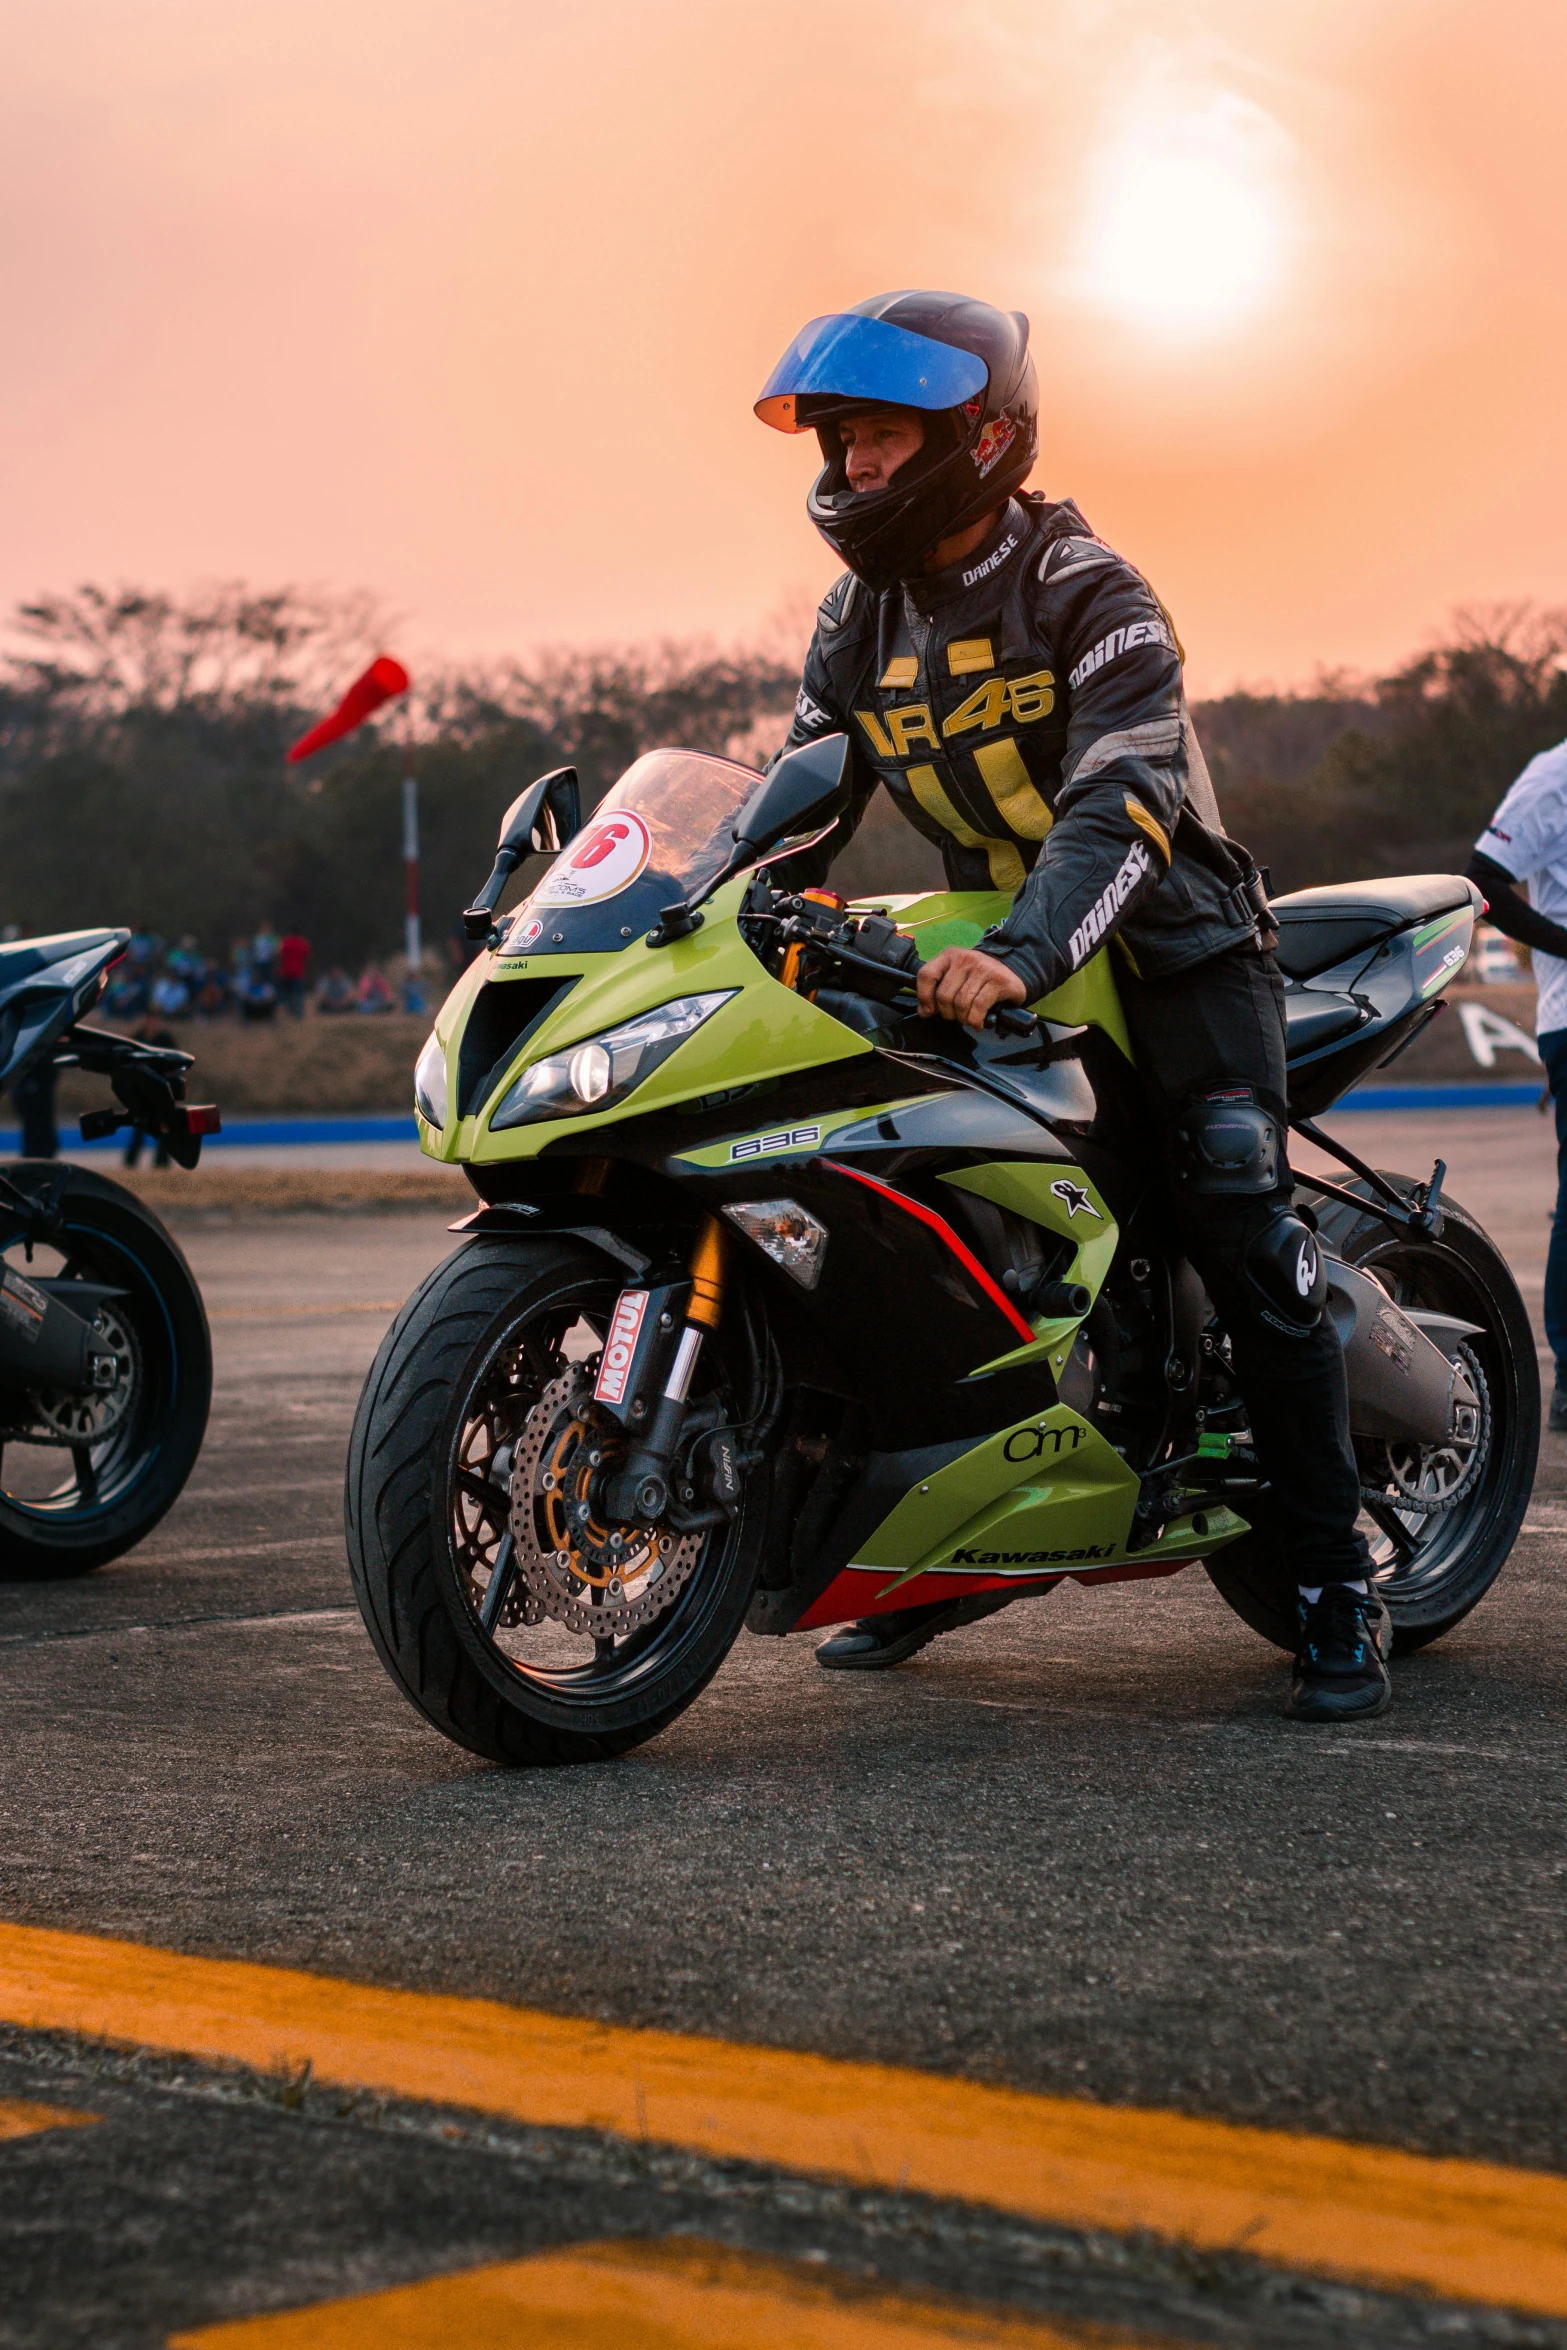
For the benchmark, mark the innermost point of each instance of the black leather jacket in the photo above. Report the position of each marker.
(1025, 712)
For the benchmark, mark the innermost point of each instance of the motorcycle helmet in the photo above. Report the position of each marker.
(964, 366)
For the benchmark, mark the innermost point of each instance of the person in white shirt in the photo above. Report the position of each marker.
(1526, 842)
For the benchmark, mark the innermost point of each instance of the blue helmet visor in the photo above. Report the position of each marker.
(847, 357)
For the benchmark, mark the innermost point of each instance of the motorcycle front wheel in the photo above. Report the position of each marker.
(83, 1478)
(1440, 1520)
(518, 1627)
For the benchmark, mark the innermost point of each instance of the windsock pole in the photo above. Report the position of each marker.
(412, 942)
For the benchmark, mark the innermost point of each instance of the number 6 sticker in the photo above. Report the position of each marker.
(599, 863)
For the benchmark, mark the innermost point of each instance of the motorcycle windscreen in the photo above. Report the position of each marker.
(846, 357)
(657, 839)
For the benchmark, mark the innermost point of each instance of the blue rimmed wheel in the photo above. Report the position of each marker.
(83, 1478)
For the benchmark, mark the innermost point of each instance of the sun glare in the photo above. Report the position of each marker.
(1188, 226)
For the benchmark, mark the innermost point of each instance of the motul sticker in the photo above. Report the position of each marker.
(620, 1346)
(599, 864)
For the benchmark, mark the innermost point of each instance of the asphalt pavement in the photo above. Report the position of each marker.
(1075, 1850)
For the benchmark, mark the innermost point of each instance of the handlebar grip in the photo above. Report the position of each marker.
(1011, 1020)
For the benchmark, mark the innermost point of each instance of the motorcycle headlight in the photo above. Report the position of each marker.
(430, 1082)
(602, 1070)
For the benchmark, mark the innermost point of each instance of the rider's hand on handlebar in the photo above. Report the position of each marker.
(962, 984)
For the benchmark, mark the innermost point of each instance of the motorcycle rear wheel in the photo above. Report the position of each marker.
(475, 1354)
(1433, 1567)
(68, 1507)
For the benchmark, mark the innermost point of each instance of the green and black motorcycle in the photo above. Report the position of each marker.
(783, 1305)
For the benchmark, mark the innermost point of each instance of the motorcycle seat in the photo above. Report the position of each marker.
(1321, 927)
(23, 958)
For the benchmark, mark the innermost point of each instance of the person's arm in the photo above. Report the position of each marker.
(1510, 911)
(1124, 779)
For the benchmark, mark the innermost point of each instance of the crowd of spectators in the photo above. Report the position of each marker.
(264, 975)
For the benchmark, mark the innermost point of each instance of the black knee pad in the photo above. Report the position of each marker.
(1226, 1145)
(1286, 1274)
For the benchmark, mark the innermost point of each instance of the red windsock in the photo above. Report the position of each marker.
(382, 682)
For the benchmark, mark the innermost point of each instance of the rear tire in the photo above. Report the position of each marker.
(1460, 1552)
(120, 1487)
(509, 1301)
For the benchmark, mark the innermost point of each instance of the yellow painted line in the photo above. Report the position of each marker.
(639, 2296)
(18, 2119)
(1472, 2230)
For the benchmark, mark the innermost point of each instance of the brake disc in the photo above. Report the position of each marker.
(598, 1579)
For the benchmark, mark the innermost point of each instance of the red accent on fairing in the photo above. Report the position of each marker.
(965, 1256)
(382, 682)
(862, 1591)
(1132, 1573)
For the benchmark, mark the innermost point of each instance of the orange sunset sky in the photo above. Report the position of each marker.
(467, 301)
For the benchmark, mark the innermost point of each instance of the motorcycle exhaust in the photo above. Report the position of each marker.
(1406, 1378)
(43, 1343)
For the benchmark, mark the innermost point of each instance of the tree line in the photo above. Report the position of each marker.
(142, 773)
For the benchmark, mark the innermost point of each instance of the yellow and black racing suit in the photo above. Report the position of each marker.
(1025, 712)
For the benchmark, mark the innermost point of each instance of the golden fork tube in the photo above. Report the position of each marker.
(703, 1308)
(707, 1276)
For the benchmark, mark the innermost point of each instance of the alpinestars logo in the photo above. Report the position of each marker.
(1075, 1200)
(1107, 905)
(1120, 640)
(1008, 547)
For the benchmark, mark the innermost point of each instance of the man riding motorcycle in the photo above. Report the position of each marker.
(1016, 687)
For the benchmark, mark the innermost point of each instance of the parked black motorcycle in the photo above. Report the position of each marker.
(105, 1358)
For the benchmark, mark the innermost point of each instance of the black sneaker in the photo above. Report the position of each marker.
(878, 1641)
(1557, 1421)
(1341, 1670)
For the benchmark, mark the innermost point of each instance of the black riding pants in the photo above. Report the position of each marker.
(1223, 1024)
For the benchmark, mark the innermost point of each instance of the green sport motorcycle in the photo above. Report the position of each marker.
(783, 1305)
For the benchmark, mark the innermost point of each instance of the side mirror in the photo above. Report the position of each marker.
(544, 817)
(806, 792)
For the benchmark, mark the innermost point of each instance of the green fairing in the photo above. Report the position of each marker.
(768, 1031)
(1085, 1497)
(1074, 1493)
